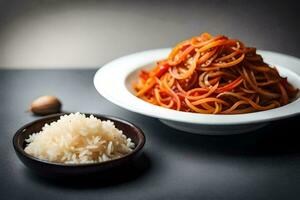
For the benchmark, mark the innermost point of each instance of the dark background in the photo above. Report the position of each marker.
(72, 33)
(264, 164)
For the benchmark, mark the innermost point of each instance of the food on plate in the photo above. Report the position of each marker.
(214, 75)
(45, 105)
(76, 139)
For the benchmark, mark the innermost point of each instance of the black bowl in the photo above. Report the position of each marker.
(52, 169)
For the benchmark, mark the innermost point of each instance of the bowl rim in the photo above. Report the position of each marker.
(106, 86)
(136, 150)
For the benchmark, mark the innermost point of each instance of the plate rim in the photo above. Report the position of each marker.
(139, 59)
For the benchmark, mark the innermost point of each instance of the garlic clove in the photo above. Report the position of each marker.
(45, 105)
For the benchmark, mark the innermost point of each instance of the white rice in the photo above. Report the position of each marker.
(76, 138)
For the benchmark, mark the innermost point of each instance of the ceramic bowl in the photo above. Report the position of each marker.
(48, 168)
(113, 81)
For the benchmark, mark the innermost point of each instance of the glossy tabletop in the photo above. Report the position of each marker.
(264, 164)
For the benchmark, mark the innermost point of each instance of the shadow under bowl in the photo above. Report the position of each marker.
(52, 169)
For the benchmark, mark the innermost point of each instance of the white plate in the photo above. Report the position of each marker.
(113, 81)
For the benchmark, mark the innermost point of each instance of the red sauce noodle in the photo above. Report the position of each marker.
(214, 75)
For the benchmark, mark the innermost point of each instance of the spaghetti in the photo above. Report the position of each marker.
(214, 75)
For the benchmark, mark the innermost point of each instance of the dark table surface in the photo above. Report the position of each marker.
(264, 164)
